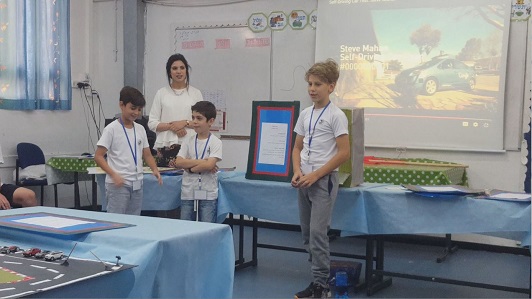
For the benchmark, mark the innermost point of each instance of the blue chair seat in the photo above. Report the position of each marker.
(30, 154)
(33, 182)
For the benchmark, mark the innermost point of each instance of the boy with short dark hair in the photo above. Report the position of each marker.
(126, 145)
(198, 156)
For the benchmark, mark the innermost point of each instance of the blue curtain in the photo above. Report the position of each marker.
(34, 55)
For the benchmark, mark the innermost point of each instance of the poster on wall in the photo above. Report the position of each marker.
(271, 140)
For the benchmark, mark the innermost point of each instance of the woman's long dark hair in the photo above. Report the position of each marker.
(169, 63)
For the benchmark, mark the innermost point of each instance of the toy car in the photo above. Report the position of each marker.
(14, 248)
(41, 254)
(4, 249)
(54, 255)
(31, 252)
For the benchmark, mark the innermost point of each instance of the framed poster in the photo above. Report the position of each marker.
(58, 224)
(271, 140)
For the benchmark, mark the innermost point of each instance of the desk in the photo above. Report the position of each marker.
(377, 209)
(170, 264)
(156, 197)
(415, 174)
(60, 170)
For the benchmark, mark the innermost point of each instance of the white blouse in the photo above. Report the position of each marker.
(169, 105)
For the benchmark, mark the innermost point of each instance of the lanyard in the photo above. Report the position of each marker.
(310, 125)
(202, 155)
(205, 148)
(133, 153)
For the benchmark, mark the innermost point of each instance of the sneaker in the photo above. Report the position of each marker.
(320, 292)
(313, 291)
(306, 293)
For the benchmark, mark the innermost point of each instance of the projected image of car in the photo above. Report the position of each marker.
(436, 75)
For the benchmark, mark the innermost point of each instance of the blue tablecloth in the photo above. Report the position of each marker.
(175, 258)
(378, 209)
(155, 197)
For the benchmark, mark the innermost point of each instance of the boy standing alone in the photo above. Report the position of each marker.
(126, 145)
(321, 146)
(198, 156)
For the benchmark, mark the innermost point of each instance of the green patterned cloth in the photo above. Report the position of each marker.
(398, 174)
(73, 164)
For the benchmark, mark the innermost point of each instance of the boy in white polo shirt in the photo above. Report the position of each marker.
(321, 146)
(198, 156)
(126, 145)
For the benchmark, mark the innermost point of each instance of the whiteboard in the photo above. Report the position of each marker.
(231, 67)
(292, 56)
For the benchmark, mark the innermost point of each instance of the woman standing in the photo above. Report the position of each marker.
(171, 110)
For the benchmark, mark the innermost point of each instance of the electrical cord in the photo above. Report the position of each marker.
(86, 121)
(92, 109)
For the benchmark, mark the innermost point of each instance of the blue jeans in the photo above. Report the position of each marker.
(123, 200)
(206, 210)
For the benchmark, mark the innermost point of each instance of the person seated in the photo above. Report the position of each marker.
(13, 196)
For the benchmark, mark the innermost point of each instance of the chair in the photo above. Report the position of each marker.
(30, 154)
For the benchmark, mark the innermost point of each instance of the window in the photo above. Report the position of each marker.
(34, 55)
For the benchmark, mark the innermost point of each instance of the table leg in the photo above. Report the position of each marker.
(376, 280)
(94, 193)
(254, 261)
(449, 248)
(77, 202)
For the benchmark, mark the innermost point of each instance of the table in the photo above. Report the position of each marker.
(415, 174)
(430, 172)
(68, 169)
(156, 197)
(167, 252)
(377, 209)
(373, 209)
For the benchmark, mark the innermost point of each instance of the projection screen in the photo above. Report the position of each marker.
(430, 74)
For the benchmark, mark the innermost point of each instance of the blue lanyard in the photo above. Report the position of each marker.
(202, 155)
(205, 148)
(134, 154)
(310, 125)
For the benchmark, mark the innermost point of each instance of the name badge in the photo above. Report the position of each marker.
(306, 169)
(137, 185)
(200, 194)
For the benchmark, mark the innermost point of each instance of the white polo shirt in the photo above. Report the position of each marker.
(331, 124)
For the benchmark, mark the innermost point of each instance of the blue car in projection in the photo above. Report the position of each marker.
(435, 75)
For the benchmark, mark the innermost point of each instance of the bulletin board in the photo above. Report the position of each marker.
(271, 140)
(231, 67)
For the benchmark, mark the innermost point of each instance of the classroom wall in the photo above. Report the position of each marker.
(97, 50)
(487, 170)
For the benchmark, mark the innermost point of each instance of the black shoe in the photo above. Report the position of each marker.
(313, 291)
(306, 293)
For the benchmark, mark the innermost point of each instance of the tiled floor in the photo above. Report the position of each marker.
(280, 274)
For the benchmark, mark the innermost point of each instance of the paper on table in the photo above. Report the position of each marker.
(519, 196)
(396, 187)
(52, 222)
(440, 189)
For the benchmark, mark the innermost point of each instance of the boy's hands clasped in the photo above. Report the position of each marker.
(299, 180)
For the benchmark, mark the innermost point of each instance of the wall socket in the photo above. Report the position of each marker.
(80, 80)
(80, 84)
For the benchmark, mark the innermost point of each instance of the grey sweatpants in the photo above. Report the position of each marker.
(315, 209)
